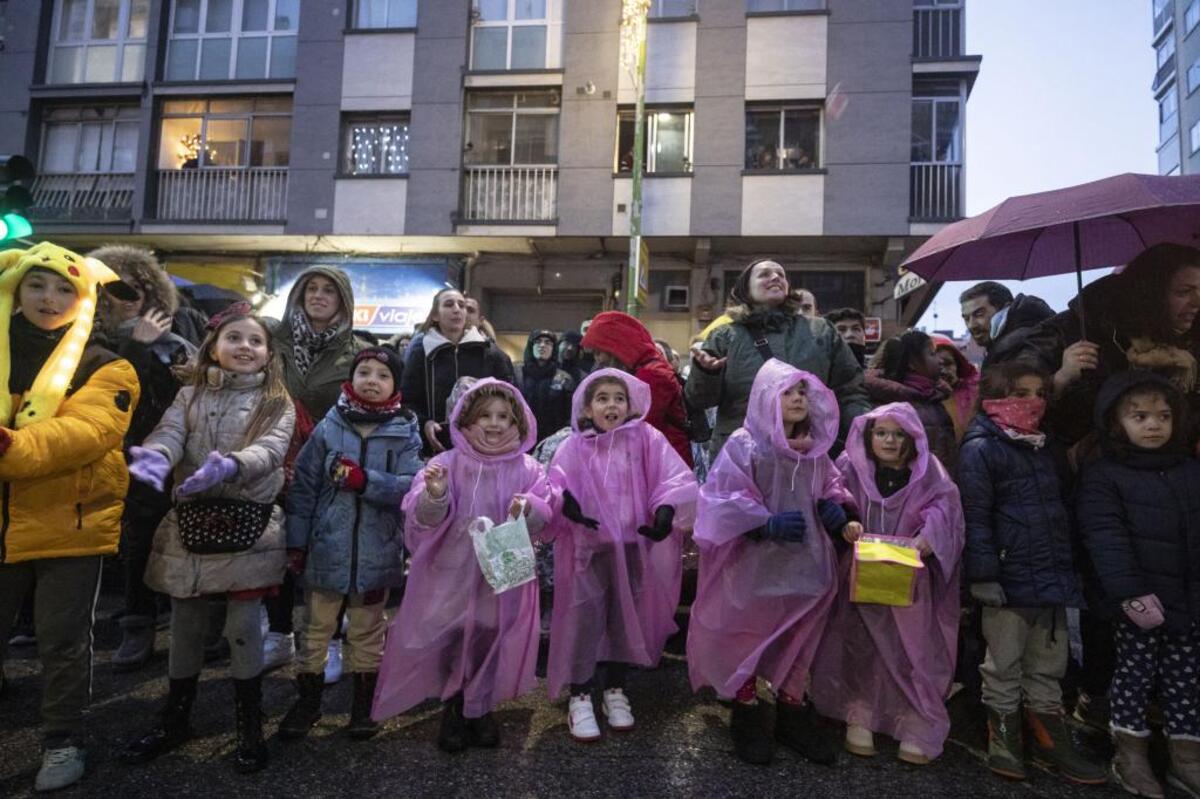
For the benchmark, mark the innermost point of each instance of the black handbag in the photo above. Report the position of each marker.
(211, 526)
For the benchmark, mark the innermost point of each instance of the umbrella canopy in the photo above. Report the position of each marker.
(1092, 225)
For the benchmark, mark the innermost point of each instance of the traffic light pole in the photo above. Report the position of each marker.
(633, 54)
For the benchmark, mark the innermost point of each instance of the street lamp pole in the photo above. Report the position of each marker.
(633, 56)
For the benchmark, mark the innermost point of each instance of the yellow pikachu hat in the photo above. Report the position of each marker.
(50, 386)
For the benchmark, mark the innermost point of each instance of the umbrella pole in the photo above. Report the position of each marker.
(1079, 283)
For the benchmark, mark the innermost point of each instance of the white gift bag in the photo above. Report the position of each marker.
(504, 551)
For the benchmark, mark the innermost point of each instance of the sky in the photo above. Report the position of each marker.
(1063, 97)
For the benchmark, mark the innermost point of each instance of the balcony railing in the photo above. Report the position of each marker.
(935, 192)
(938, 33)
(1164, 74)
(510, 194)
(97, 196)
(256, 194)
(1163, 17)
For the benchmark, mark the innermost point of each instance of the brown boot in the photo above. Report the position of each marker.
(1054, 747)
(1184, 772)
(1131, 765)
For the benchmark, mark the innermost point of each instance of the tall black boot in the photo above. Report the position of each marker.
(251, 754)
(452, 737)
(749, 727)
(797, 727)
(172, 729)
(362, 726)
(306, 710)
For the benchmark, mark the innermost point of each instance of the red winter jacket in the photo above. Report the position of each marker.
(630, 342)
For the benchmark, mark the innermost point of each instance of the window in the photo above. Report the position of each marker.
(937, 130)
(375, 146)
(1194, 138)
(1193, 76)
(1166, 51)
(1191, 17)
(672, 8)
(232, 133)
(98, 41)
(785, 137)
(88, 139)
(784, 5)
(232, 39)
(1168, 108)
(506, 129)
(385, 14)
(509, 34)
(668, 141)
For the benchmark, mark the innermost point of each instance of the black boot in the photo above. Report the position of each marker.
(483, 732)
(251, 754)
(306, 710)
(797, 727)
(751, 736)
(362, 726)
(452, 737)
(172, 729)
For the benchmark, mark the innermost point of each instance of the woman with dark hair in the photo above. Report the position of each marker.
(908, 370)
(766, 325)
(448, 349)
(1142, 318)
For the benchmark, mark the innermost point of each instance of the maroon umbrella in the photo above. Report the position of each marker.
(1092, 225)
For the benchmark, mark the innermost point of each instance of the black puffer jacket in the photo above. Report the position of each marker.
(1139, 513)
(1024, 316)
(433, 365)
(546, 387)
(1018, 527)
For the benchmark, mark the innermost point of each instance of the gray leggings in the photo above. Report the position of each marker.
(189, 620)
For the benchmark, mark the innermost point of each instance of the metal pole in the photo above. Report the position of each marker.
(633, 46)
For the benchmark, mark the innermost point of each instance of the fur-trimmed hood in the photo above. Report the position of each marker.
(139, 268)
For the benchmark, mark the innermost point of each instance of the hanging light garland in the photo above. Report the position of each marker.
(380, 148)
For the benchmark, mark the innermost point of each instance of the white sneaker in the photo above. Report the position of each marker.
(860, 741)
(278, 650)
(60, 767)
(617, 709)
(333, 662)
(581, 719)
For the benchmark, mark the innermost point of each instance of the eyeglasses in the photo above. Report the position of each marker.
(892, 435)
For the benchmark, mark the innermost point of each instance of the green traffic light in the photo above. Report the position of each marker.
(14, 226)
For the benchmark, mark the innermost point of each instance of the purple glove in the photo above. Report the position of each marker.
(149, 466)
(1144, 611)
(217, 468)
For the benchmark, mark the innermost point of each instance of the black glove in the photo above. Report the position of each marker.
(789, 526)
(573, 512)
(663, 517)
(833, 516)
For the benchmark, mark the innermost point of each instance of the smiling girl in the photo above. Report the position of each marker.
(627, 497)
(225, 437)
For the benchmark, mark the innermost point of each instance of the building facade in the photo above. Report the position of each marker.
(1175, 83)
(488, 144)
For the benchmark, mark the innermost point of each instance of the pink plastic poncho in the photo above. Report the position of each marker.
(453, 633)
(616, 591)
(887, 668)
(761, 606)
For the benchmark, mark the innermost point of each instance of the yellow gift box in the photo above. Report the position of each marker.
(884, 571)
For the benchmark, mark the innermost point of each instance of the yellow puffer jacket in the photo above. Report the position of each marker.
(64, 479)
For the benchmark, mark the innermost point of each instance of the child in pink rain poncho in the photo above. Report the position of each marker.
(454, 637)
(627, 496)
(768, 570)
(882, 668)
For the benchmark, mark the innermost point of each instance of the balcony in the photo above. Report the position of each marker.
(1164, 74)
(510, 194)
(210, 194)
(935, 192)
(92, 197)
(1164, 15)
(938, 33)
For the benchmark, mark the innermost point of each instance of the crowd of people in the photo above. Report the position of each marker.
(248, 467)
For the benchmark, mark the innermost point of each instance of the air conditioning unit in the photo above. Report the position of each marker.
(676, 298)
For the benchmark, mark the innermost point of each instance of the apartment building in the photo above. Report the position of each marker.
(488, 144)
(1175, 83)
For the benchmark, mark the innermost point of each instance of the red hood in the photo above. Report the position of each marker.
(966, 369)
(623, 336)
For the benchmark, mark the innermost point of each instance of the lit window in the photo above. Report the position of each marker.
(668, 141)
(376, 146)
(98, 41)
(233, 133)
(782, 138)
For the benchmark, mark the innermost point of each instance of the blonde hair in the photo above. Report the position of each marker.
(275, 398)
(474, 408)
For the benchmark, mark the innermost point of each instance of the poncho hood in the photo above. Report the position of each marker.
(764, 414)
(639, 399)
(862, 464)
(460, 441)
